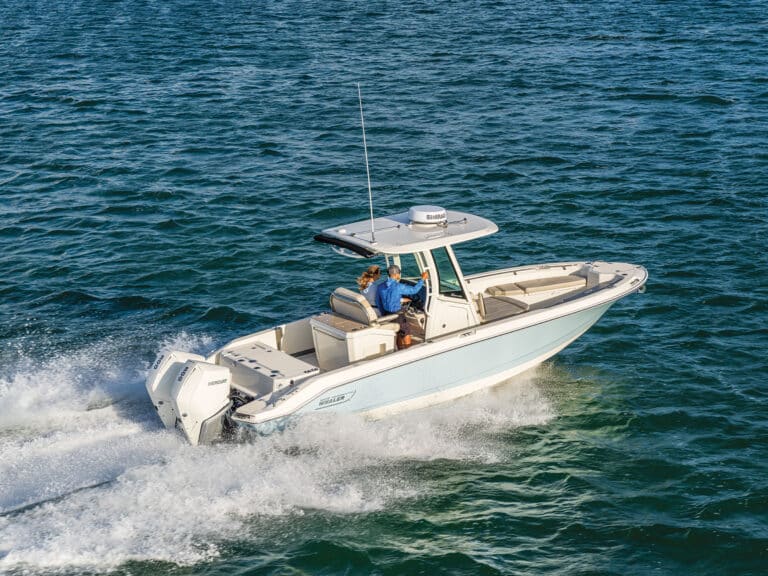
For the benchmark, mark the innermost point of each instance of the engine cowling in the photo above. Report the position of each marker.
(200, 398)
(161, 377)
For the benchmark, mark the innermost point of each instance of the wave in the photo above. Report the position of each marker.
(91, 480)
(706, 99)
(712, 99)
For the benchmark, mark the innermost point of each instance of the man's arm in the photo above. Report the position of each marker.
(406, 290)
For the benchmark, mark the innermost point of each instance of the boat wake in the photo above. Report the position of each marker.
(89, 479)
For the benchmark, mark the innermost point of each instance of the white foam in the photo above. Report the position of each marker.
(49, 393)
(101, 487)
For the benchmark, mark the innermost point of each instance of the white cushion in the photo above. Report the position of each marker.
(556, 283)
(510, 289)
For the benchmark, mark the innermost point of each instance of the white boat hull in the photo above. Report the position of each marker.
(262, 381)
(444, 376)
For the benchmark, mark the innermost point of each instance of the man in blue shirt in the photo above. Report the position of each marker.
(389, 300)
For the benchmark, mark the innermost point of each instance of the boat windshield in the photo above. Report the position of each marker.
(449, 279)
(409, 269)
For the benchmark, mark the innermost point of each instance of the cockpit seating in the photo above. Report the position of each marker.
(356, 307)
(352, 332)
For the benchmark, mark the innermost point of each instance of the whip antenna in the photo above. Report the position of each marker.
(367, 170)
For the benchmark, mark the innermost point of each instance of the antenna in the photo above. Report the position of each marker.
(367, 170)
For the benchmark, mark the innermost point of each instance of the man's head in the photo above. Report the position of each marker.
(394, 272)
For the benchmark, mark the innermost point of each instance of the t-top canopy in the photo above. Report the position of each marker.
(397, 234)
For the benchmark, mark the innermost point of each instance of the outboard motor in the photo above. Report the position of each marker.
(190, 394)
(201, 399)
(160, 380)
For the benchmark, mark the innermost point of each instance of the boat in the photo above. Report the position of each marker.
(468, 333)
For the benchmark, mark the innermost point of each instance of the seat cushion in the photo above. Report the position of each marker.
(353, 305)
(524, 306)
(555, 283)
(510, 289)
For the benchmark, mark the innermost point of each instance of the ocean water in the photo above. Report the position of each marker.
(163, 167)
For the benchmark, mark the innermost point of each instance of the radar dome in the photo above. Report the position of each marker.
(427, 215)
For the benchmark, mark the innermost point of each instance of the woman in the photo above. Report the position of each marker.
(367, 283)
